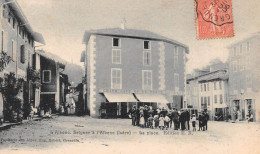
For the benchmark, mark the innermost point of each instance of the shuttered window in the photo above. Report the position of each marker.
(22, 54)
(13, 48)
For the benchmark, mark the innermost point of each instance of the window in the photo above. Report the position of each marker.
(20, 30)
(205, 87)
(201, 99)
(235, 51)
(234, 66)
(14, 21)
(46, 76)
(9, 18)
(241, 48)
(116, 78)
(4, 38)
(247, 46)
(215, 85)
(201, 87)
(205, 100)
(147, 61)
(116, 42)
(176, 81)
(22, 54)
(147, 45)
(2, 41)
(208, 100)
(147, 79)
(215, 99)
(116, 56)
(13, 48)
(175, 56)
(23, 34)
(221, 98)
(220, 85)
(242, 63)
(208, 86)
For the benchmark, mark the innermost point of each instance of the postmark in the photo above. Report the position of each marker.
(214, 19)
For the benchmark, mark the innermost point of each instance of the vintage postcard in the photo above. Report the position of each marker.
(129, 76)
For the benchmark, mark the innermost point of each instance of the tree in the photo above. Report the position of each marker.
(11, 87)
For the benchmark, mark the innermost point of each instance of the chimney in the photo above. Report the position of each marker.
(123, 24)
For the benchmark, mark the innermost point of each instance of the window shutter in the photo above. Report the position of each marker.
(22, 54)
(14, 50)
(5, 41)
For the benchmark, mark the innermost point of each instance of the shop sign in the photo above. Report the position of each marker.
(136, 91)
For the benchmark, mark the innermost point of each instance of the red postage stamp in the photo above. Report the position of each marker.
(214, 19)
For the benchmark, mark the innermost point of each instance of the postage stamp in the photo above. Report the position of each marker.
(214, 19)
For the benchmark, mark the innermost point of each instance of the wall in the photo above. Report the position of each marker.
(12, 35)
(99, 63)
(49, 65)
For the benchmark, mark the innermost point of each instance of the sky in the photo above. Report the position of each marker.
(63, 23)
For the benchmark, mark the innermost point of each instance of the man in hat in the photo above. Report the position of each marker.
(200, 121)
(146, 115)
(132, 112)
(182, 120)
(206, 118)
(187, 119)
(175, 119)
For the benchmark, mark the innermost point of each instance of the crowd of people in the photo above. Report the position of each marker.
(162, 118)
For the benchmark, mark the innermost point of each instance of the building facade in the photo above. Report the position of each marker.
(125, 67)
(209, 92)
(213, 94)
(53, 82)
(17, 42)
(244, 77)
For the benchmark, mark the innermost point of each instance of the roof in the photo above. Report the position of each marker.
(243, 40)
(52, 57)
(215, 75)
(24, 22)
(132, 33)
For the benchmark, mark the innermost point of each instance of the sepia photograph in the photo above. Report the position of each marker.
(130, 76)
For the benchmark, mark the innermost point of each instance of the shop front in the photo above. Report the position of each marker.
(118, 105)
(242, 109)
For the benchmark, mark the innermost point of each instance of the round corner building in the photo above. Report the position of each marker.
(126, 67)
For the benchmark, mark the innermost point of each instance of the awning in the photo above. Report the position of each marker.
(38, 38)
(223, 105)
(115, 97)
(156, 98)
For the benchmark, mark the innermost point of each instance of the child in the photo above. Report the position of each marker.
(142, 120)
(161, 121)
(166, 121)
(193, 120)
(150, 121)
(156, 121)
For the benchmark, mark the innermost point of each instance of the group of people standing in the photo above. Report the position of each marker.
(162, 118)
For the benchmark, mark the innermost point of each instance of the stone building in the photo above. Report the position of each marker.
(244, 77)
(126, 67)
